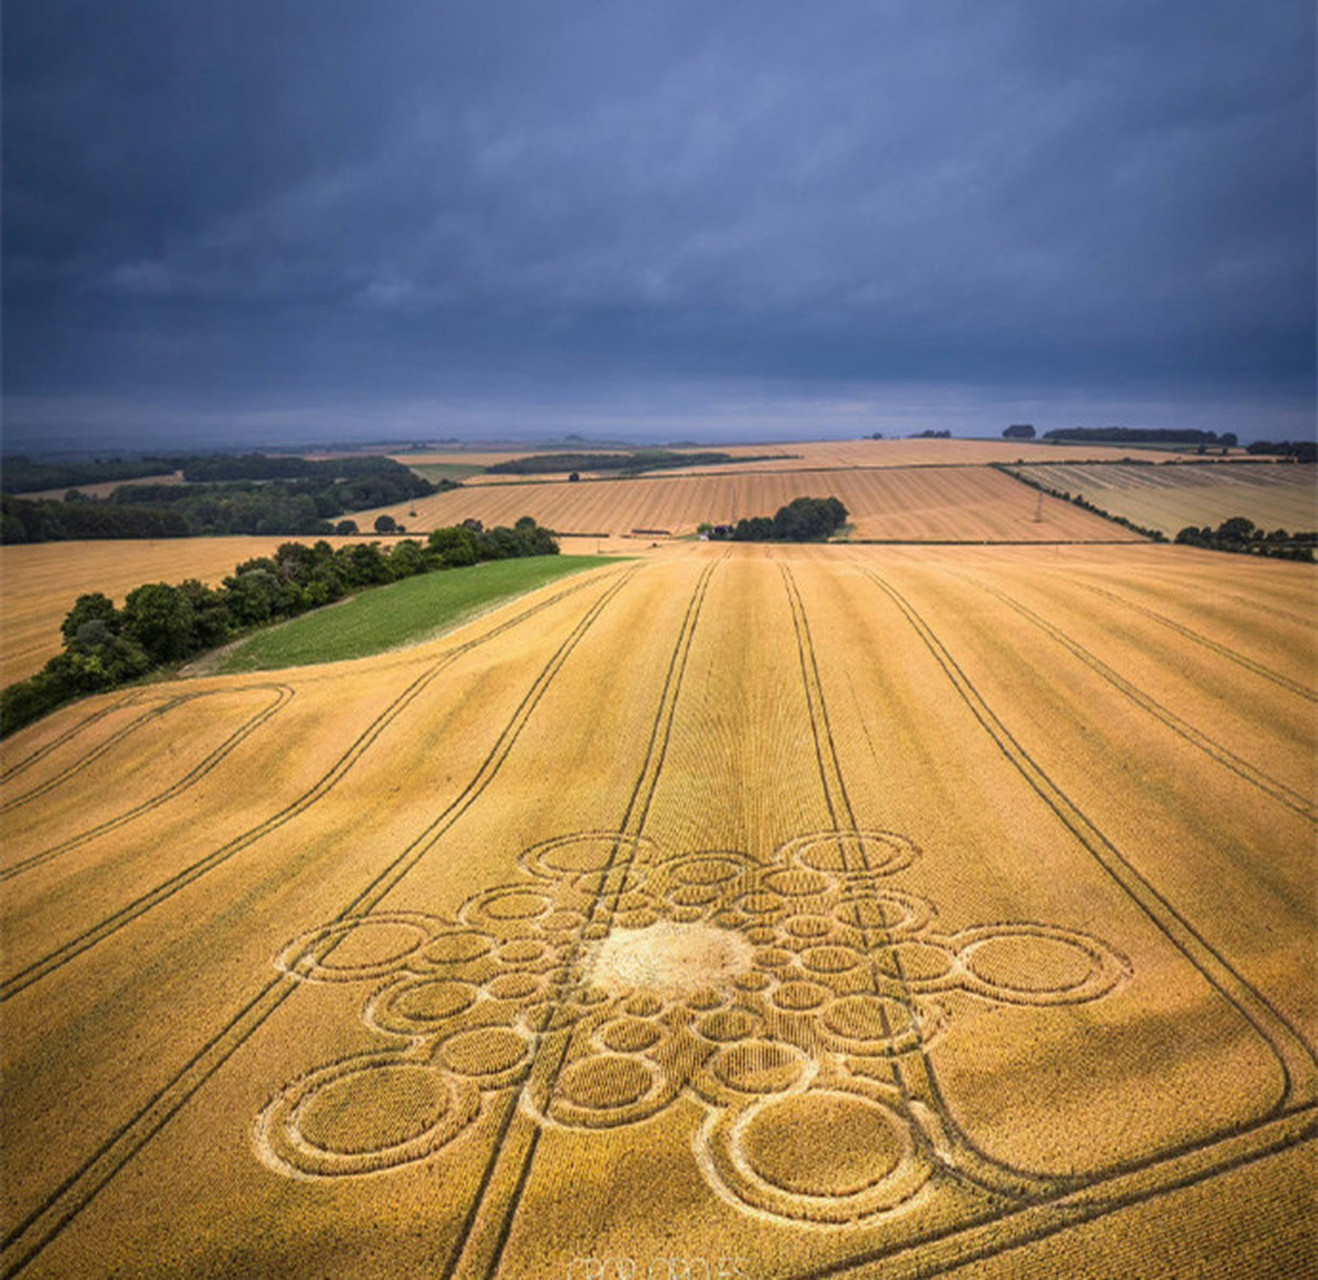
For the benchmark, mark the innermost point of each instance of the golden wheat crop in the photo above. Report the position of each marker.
(788, 911)
(959, 504)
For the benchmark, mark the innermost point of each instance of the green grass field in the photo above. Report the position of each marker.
(402, 613)
(437, 471)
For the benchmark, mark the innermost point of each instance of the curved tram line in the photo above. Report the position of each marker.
(34, 757)
(41, 789)
(48, 1219)
(166, 889)
(1271, 786)
(282, 695)
(1291, 1120)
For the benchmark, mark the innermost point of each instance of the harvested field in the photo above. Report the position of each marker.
(1274, 496)
(102, 490)
(834, 910)
(972, 503)
(39, 583)
(841, 454)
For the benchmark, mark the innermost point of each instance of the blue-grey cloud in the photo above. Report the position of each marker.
(265, 204)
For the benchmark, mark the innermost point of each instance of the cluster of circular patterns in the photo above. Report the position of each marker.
(792, 1046)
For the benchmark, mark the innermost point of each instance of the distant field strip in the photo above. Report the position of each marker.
(1274, 496)
(959, 503)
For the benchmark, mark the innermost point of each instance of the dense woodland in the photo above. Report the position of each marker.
(162, 623)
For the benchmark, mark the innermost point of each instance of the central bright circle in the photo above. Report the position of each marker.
(675, 960)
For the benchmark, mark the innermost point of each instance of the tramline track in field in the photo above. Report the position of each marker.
(1294, 1056)
(283, 694)
(54, 1214)
(1270, 786)
(1231, 655)
(70, 771)
(56, 959)
(489, 1221)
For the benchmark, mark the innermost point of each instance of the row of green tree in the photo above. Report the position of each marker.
(801, 520)
(1244, 536)
(1141, 435)
(1299, 450)
(161, 624)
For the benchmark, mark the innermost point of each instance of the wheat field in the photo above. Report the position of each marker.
(797, 911)
(958, 504)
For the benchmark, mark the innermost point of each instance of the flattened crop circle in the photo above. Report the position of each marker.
(456, 946)
(607, 1082)
(359, 948)
(1038, 964)
(759, 1066)
(482, 1052)
(852, 853)
(584, 853)
(824, 1144)
(363, 1116)
(415, 1006)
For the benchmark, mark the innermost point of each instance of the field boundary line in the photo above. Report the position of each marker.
(61, 1206)
(488, 1225)
(283, 695)
(1224, 756)
(1294, 1055)
(1293, 686)
(75, 946)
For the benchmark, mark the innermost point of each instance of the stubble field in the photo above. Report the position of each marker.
(1274, 496)
(813, 912)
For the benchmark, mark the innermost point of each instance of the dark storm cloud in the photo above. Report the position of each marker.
(260, 205)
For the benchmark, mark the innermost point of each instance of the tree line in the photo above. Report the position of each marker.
(1243, 536)
(300, 497)
(161, 624)
(801, 520)
(22, 475)
(1142, 435)
(1297, 450)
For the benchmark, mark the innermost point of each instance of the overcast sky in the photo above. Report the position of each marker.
(281, 220)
